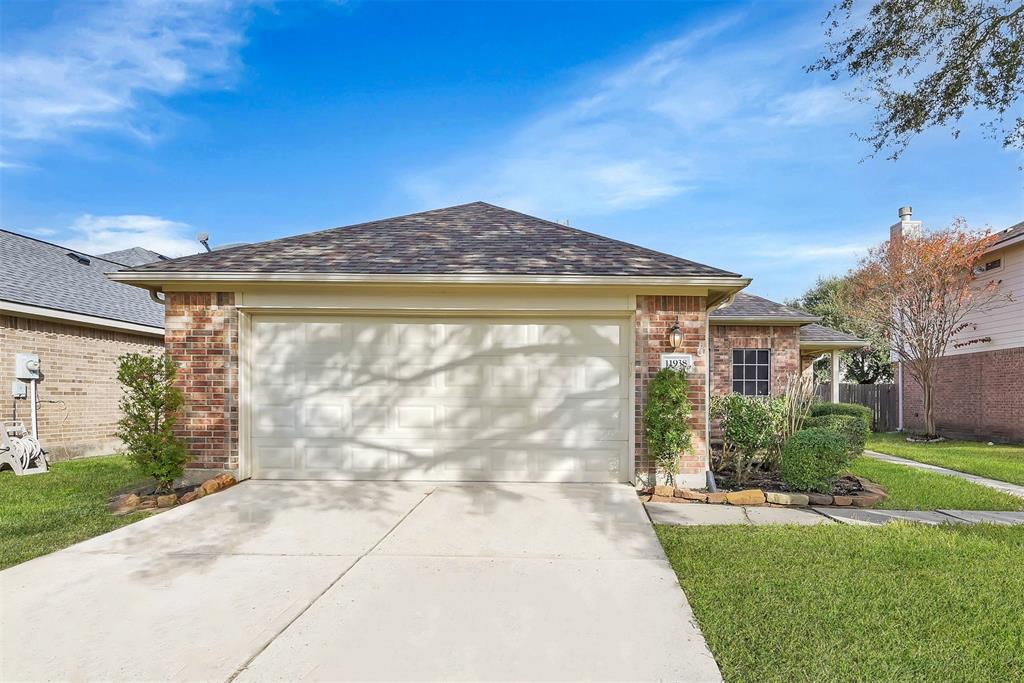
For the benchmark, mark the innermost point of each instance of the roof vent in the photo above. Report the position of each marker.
(84, 260)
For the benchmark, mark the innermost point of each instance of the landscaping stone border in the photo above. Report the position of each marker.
(871, 495)
(134, 502)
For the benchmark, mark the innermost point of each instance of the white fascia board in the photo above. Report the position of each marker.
(156, 278)
(760, 320)
(67, 317)
(828, 346)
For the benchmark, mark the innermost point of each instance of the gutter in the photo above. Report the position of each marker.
(762, 320)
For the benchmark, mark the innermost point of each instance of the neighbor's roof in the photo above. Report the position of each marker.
(751, 307)
(1010, 233)
(42, 274)
(470, 239)
(134, 256)
(819, 335)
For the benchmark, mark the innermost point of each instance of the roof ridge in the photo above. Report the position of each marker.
(63, 246)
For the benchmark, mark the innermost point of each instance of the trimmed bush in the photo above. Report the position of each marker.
(812, 458)
(667, 420)
(853, 429)
(854, 409)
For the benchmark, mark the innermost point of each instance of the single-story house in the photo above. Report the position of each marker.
(59, 304)
(465, 343)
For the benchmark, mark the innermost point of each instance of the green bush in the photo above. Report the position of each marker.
(812, 459)
(149, 408)
(853, 429)
(752, 430)
(667, 420)
(854, 409)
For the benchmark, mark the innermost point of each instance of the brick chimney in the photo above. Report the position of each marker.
(906, 226)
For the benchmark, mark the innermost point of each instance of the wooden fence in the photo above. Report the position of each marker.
(883, 399)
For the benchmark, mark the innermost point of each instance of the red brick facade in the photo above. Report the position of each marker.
(78, 394)
(202, 338)
(655, 316)
(782, 340)
(977, 395)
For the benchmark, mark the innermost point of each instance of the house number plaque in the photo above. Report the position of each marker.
(677, 361)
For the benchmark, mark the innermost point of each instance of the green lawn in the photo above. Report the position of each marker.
(914, 489)
(1005, 463)
(41, 513)
(848, 603)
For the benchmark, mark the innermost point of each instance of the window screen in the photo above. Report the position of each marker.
(751, 372)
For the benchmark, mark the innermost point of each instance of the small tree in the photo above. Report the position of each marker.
(919, 291)
(667, 420)
(149, 407)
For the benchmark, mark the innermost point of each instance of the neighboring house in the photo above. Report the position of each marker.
(979, 392)
(466, 343)
(58, 303)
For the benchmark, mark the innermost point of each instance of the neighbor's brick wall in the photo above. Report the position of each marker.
(79, 375)
(783, 340)
(977, 395)
(202, 338)
(655, 316)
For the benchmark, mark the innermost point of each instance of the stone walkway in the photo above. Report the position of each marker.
(696, 514)
(1012, 489)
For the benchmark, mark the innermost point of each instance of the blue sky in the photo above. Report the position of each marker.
(686, 127)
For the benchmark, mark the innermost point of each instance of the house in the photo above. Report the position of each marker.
(979, 388)
(466, 343)
(59, 304)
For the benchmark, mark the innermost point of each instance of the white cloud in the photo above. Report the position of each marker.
(100, 65)
(103, 234)
(815, 252)
(688, 112)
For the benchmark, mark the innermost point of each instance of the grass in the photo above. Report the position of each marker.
(913, 489)
(1001, 462)
(847, 603)
(41, 513)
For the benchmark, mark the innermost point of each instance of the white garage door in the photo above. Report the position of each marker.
(453, 399)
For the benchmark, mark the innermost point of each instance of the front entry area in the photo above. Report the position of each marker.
(457, 398)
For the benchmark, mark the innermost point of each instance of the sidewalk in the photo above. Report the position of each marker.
(1012, 489)
(696, 514)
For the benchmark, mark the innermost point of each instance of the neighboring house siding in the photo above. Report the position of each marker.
(79, 392)
(977, 395)
(1004, 322)
(783, 340)
(202, 338)
(655, 316)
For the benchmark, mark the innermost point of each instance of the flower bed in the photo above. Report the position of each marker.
(149, 499)
(849, 491)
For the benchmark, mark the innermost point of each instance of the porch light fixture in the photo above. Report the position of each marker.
(675, 336)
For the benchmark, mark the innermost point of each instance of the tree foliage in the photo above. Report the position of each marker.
(149, 408)
(919, 291)
(832, 299)
(667, 420)
(927, 63)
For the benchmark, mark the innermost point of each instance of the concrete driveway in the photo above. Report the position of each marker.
(359, 581)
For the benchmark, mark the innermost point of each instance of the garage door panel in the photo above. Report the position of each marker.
(378, 398)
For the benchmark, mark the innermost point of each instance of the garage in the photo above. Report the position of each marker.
(439, 398)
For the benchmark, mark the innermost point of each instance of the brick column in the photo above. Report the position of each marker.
(655, 316)
(202, 338)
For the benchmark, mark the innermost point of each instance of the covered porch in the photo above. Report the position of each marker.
(817, 341)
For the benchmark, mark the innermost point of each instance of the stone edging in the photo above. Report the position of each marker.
(133, 502)
(870, 496)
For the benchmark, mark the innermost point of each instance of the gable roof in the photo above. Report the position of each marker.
(819, 335)
(43, 275)
(1010, 233)
(469, 239)
(133, 256)
(749, 307)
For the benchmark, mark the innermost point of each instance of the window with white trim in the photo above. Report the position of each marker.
(751, 371)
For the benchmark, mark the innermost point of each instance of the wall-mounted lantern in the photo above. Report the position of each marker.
(675, 336)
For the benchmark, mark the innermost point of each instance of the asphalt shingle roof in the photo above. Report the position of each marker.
(1009, 233)
(819, 334)
(477, 238)
(38, 273)
(134, 256)
(752, 306)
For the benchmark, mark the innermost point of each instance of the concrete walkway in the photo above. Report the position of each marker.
(328, 581)
(1012, 489)
(696, 514)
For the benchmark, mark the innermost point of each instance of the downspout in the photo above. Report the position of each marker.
(899, 393)
(155, 296)
(708, 474)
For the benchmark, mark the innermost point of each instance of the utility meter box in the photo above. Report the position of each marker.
(19, 389)
(26, 366)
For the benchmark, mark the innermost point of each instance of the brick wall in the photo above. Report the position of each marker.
(783, 340)
(977, 395)
(202, 338)
(79, 392)
(655, 316)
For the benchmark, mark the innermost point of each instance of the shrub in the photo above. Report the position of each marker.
(667, 420)
(853, 429)
(752, 428)
(863, 412)
(812, 458)
(150, 407)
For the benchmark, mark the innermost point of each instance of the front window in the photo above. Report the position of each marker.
(751, 372)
